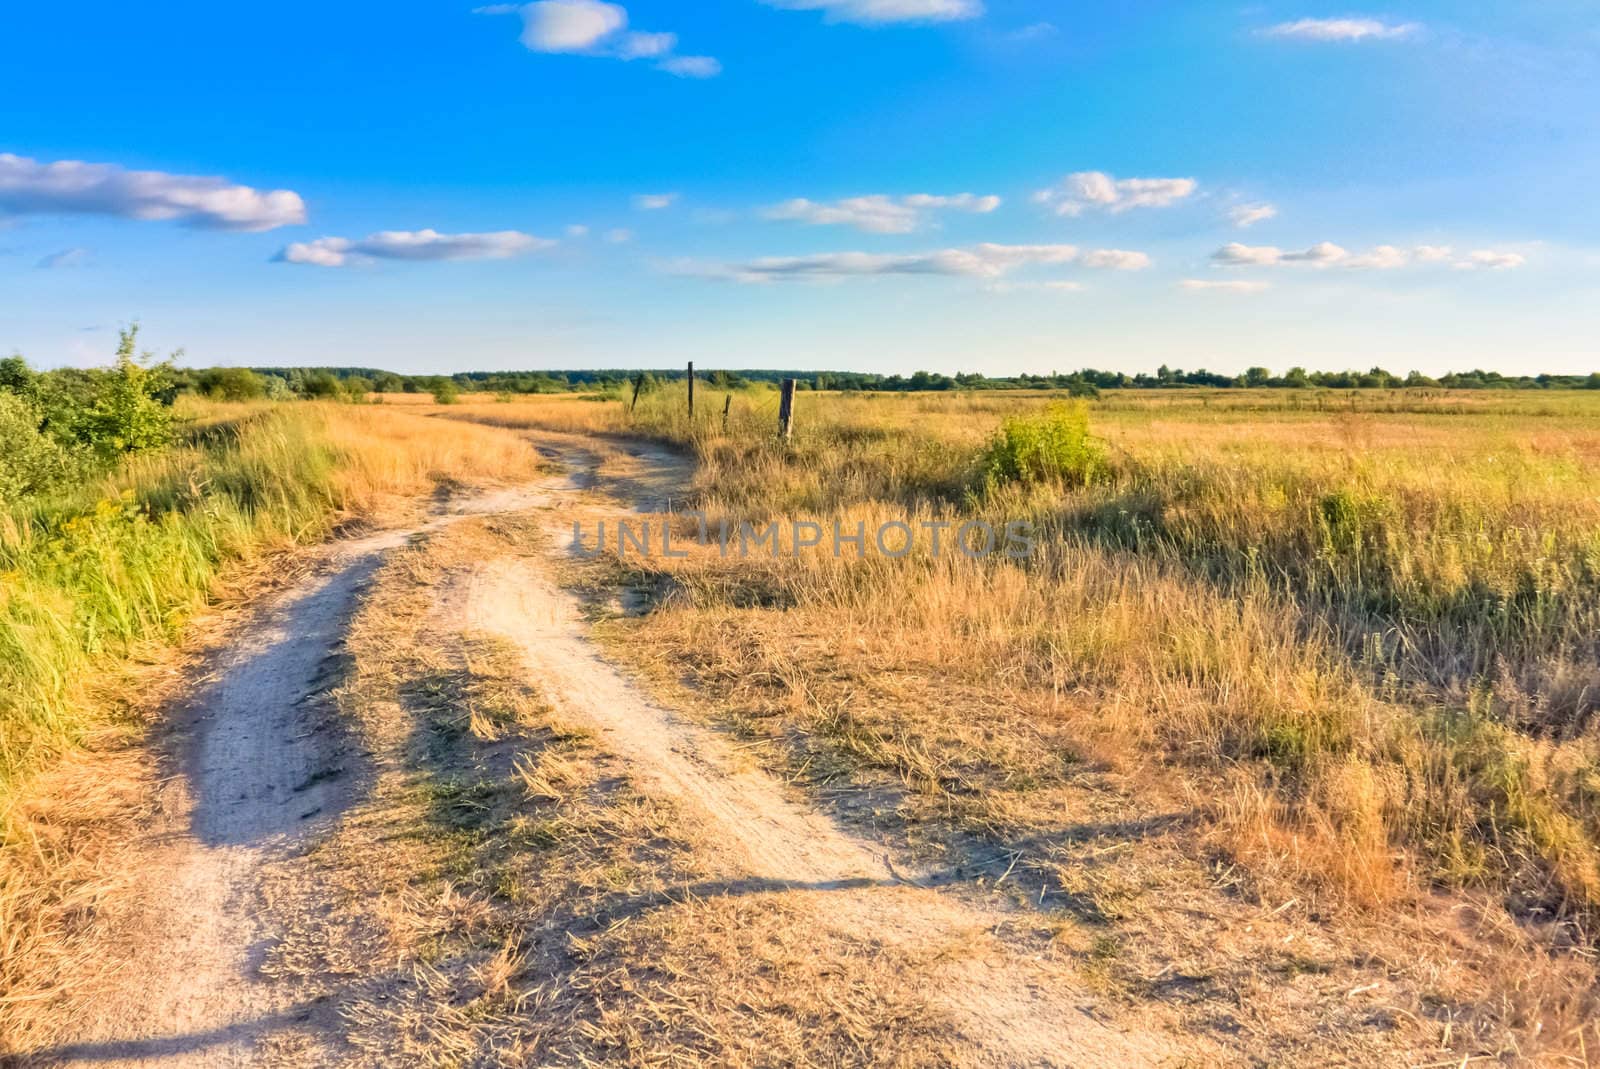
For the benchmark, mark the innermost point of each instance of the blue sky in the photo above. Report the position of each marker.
(1000, 186)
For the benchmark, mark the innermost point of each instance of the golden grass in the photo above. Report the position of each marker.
(1360, 629)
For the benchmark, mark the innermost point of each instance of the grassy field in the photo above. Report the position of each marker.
(1347, 644)
(1364, 624)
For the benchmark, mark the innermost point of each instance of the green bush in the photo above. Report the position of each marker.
(30, 462)
(131, 412)
(1053, 447)
(230, 384)
(446, 392)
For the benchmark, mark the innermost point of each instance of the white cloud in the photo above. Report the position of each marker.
(577, 230)
(691, 66)
(646, 45)
(1342, 30)
(878, 213)
(1096, 189)
(30, 187)
(1116, 260)
(64, 258)
(595, 28)
(1234, 254)
(1380, 258)
(1055, 286)
(987, 261)
(1199, 285)
(654, 202)
(412, 245)
(878, 12)
(570, 25)
(1247, 215)
(618, 236)
(1494, 261)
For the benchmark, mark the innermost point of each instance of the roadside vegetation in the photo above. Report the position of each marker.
(122, 507)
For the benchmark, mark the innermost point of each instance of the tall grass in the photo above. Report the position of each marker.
(88, 575)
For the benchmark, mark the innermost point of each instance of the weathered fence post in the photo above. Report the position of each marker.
(691, 390)
(638, 384)
(727, 406)
(786, 410)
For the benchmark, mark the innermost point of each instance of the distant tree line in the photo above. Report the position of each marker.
(333, 382)
(357, 384)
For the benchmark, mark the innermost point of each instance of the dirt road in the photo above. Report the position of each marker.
(269, 767)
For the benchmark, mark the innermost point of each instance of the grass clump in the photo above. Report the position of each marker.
(1053, 447)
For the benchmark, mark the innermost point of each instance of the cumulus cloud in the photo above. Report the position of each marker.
(1200, 285)
(879, 12)
(28, 187)
(411, 245)
(986, 261)
(879, 213)
(1342, 30)
(595, 28)
(1235, 254)
(1096, 189)
(619, 236)
(1380, 258)
(64, 258)
(1116, 260)
(654, 202)
(1247, 215)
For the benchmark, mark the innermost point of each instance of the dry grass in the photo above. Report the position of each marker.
(504, 896)
(1353, 639)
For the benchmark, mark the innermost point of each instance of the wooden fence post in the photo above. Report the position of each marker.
(638, 384)
(727, 406)
(786, 410)
(691, 390)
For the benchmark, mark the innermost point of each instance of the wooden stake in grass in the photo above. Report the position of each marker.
(638, 384)
(691, 390)
(786, 411)
(727, 406)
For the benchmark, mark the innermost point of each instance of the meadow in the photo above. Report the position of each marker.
(1347, 641)
(1366, 624)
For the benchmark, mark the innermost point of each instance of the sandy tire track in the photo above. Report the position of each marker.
(265, 764)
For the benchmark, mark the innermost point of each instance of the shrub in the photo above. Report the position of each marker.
(1053, 447)
(130, 412)
(32, 462)
(446, 392)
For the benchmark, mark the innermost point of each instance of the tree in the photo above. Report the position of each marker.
(357, 388)
(1297, 379)
(1257, 376)
(230, 384)
(320, 386)
(16, 376)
